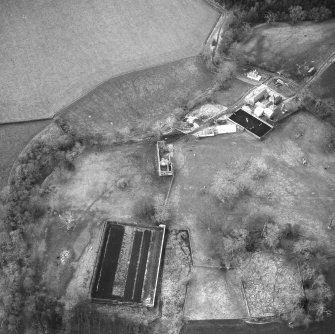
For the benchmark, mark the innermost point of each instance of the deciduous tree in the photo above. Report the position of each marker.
(297, 14)
(271, 17)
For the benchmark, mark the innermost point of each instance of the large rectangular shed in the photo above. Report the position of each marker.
(127, 264)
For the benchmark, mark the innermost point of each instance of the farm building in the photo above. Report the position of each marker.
(225, 128)
(263, 104)
(191, 120)
(127, 265)
(265, 93)
(246, 108)
(164, 155)
(256, 95)
(259, 111)
(268, 112)
(274, 98)
(217, 130)
(208, 132)
(254, 75)
(274, 108)
(311, 71)
(279, 82)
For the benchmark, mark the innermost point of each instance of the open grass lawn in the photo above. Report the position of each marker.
(288, 192)
(53, 52)
(88, 196)
(126, 107)
(13, 138)
(280, 46)
(214, 294)
(324, 86)
(236, 90)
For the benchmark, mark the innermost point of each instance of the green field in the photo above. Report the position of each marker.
(281, 46)
(53, 52)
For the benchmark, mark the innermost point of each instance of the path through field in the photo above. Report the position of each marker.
(53, 52)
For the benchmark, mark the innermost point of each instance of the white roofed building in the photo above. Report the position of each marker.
(254, 75)
(259, 111)
(268, 112)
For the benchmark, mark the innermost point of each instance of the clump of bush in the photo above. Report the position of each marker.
(152, 210)
(37, 209)
(85, 318)
(319, 14)
(86, 139)
(231, 249)
(225, 73)
(230, 185)
(144, 209)
(316, 106)
(69, 165)
(227, 189)
(238, 29)
(122, 183)
(272, 11)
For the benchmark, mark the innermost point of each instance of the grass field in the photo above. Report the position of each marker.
(289, 192)
(219, 290)
(53, 52)
(128, 106)
(280, 46)
(279, 194)
(234, 92)
(324, 86)
(90, 195)
(131, 104)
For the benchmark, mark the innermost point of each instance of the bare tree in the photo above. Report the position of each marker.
(226, 72)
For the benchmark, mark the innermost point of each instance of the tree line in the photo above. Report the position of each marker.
(24, 298)
(285, 10)
(23, 295)
(25, 302)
